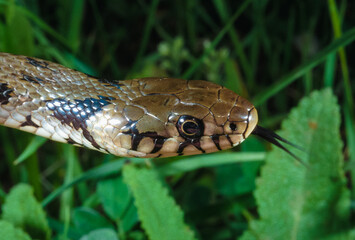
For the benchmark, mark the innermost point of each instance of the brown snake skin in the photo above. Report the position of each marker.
(148, 117)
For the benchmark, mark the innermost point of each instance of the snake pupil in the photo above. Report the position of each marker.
(190, 127)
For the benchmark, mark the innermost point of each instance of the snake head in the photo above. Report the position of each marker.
(177, 117)
(167, 117)
(205, 129)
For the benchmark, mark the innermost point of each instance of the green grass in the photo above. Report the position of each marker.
(274, 53)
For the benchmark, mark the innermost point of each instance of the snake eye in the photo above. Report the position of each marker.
(190, 127)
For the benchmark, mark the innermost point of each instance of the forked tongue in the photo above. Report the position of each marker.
(275, 139)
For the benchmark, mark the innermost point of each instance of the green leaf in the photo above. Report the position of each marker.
(115, 196)
(130, 218)
(101, 234)
(104, 170)
(117, 202)
(298, 202)
(161, 217)
(236, 179)
(22, 209)
(87, 219)
(9, 232)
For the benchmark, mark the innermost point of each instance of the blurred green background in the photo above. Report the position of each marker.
(272, 52)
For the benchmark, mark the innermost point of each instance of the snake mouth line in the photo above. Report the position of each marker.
(159, 141)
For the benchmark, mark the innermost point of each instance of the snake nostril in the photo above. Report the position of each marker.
(233, 126)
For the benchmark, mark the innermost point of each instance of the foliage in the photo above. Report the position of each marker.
(8, 231)
(160, 216)
(275, 53)
(108, 234)
(312, 199)
(23, 211)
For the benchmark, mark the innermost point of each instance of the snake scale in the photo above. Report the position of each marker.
(147, 117)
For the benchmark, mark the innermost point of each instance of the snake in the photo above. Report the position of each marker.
(145, 117)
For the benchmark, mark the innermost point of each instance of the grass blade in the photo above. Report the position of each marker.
(191, 70)
(346, 39)
(210, 160)
(222, 9)
(146, 34)
(32, 147)
(76, 17)
(342, 56)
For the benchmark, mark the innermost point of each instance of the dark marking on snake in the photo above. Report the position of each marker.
(29, 122)
(197, 144)
(131, 129)
(136, 139)
(158, 144)
(229, 139)
(28, 78)
(215, 139)
(194, 142)
(36, 63)
(166, 101)
(157, 139)
(88, 136)
(5, 93)
(76, 113)
(106, 98)
(109, 83)
(182, 146)
(71, 141)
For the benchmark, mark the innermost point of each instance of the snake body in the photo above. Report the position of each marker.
(147, 117)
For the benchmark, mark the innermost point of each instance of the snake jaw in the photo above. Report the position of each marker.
(214, 131)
